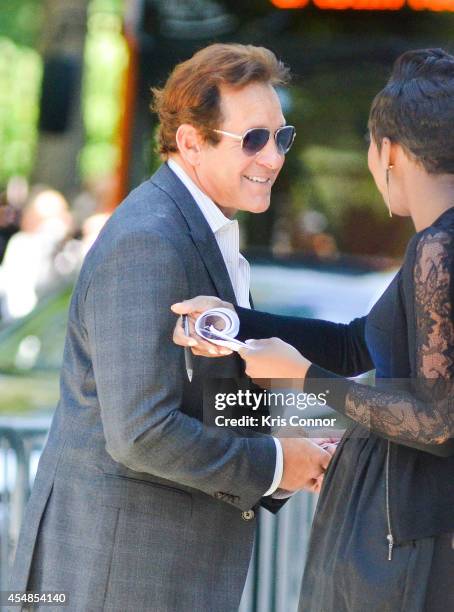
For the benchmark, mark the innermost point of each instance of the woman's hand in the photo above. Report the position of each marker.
(273, 358)
(194, 308)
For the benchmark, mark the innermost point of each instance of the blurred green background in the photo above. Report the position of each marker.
(74, 96)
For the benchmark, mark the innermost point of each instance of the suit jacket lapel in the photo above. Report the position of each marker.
(200, 231)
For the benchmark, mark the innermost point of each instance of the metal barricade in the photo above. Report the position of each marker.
(21, 441)
(274, 577)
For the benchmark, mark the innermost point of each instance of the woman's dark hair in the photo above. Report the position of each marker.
(416, 109)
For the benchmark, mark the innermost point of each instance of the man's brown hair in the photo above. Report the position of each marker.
(192, 91)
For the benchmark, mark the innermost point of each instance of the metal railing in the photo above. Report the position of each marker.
(274, 577)
(21, 441)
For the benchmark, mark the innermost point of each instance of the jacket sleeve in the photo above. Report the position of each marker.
(340, 348)
(424, 417)
(138, 372)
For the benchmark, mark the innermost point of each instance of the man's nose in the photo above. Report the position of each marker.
(269, 156)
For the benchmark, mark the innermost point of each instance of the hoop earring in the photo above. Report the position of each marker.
(388, 169)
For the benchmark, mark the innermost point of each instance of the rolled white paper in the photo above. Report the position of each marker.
(220, 326)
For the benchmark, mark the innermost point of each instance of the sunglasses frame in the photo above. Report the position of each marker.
(275, 135)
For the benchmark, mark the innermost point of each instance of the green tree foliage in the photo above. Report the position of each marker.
(20, 79)
(105, 61)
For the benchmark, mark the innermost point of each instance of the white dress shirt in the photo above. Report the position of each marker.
(227, 235)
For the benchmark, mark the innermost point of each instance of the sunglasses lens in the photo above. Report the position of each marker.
(254, 140)
(284, 138)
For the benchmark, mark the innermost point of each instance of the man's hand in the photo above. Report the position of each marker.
(330, 445)
(194, 308)
(304, 463)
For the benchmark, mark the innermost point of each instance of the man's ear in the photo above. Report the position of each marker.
(387, 153)
(189, 143)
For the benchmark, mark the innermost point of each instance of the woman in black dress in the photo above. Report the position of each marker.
(383, 533)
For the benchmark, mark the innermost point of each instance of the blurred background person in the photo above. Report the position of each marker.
(28, 267)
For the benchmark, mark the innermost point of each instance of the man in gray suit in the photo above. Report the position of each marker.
(137, 504)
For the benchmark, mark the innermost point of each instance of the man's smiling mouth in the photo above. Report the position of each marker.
(258, 179)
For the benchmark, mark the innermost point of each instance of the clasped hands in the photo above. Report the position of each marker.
(305, 460)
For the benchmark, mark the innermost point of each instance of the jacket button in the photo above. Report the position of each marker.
(248, 515)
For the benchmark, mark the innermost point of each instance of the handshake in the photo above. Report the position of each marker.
(305, 460)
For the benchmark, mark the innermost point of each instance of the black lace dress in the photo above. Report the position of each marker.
(355, 563)
(352, 564)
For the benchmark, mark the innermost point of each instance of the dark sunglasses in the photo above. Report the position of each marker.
(255, 139)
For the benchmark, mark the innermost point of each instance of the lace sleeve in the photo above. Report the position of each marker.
(426, 415)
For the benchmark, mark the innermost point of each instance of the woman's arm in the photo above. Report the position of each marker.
(338, 347)
(425, 416)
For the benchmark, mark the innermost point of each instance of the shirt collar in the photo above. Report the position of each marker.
(212, 213)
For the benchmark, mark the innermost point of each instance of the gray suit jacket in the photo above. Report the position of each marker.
(137, 505)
